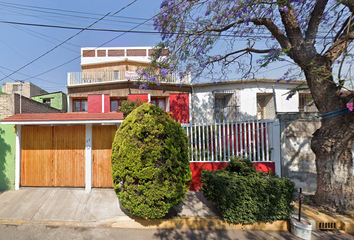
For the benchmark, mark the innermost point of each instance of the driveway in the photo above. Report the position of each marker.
(59, 204)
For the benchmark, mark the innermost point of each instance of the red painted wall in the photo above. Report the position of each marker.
(142, 97)
(94, 103)
(179, 106)
(107, 104)
(198, 167)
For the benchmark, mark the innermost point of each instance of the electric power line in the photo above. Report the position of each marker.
(52, 49)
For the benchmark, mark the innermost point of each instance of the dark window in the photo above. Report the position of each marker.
(16, 87)
(46, 101)
(80, 105)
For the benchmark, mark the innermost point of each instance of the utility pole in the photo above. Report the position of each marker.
(20, 94)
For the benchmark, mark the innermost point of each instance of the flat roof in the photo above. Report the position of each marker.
(64, 118)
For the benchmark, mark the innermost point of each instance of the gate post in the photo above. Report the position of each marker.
(88, 158)
(18, 157)
(275, 146)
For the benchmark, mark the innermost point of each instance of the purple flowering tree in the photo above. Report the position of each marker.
(203, 36)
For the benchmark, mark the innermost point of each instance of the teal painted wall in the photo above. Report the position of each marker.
(58, 100)
(7, 157)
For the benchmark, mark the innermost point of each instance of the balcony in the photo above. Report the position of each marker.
(87, 78)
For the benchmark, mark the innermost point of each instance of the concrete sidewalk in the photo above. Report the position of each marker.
(73, 205)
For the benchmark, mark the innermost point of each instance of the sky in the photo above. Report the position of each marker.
(44, 55)
(21, 45)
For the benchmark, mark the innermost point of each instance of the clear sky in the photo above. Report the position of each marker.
(21, 44)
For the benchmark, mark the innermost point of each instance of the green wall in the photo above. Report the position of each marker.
(58, 100)
(7, 157)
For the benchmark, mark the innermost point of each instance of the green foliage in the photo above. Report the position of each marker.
(244, 195)
(150, 166)
(128, 106)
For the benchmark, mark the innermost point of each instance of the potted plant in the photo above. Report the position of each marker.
(300, 227)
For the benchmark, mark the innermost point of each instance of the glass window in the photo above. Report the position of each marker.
(80, 106)
(220, 113)
(114, 105)
(46, 101)
(16, 87)
(116, 75)
(84, 106)
(161, 104)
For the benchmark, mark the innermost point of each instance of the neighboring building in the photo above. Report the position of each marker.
(245, 100)
(109, 77)
(56, 100)
(28, 89)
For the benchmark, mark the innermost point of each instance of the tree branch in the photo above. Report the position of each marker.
(316, 17)
(274, 30)
(341, 43)
(245, 50)
(292, 27)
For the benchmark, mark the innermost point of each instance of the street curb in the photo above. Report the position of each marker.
(326, 222)
(126, 222)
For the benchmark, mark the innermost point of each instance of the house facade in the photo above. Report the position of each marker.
(27, 89)
(243, 100)
(57, 100)
(108, 77)
(10, 104)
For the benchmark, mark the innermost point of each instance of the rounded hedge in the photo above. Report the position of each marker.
(150, 166)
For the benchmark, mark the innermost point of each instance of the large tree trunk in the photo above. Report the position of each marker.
(332, 142)
(334, 163)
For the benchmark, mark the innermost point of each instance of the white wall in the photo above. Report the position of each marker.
(203, 107)
(203, 101)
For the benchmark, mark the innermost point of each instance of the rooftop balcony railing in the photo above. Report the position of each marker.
(80, 78)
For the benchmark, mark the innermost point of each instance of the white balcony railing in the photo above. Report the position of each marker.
(78, 78)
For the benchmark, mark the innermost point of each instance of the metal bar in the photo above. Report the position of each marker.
(258, 140)
(228, 141)
(262, 140)
(249, 140)
(203, 140)
(233, 139)
(208, 139)
(200, 143)
(254, 140)
(220, 155)
(267, 141)
(236, 136)
(195, 142)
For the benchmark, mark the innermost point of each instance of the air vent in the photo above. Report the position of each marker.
(326, 225)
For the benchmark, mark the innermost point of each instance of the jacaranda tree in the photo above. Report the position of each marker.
(203, 36)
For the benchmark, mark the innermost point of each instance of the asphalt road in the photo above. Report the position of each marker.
(38, 232)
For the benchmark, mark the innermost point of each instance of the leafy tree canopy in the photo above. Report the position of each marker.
(203, 36)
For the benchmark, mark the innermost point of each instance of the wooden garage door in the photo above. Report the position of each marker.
(53, 156)
(36, 156)
(102, 139)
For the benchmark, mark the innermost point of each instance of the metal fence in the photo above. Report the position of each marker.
(257, 140)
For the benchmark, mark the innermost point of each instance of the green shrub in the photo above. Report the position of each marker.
(246, 196)
(128, 106)
(150, 166)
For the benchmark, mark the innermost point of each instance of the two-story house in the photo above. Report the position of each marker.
(108, 77)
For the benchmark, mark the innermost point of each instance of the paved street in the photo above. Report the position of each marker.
(39, 232)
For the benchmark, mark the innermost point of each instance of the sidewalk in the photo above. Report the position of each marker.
(101, 208)
(73, 206)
